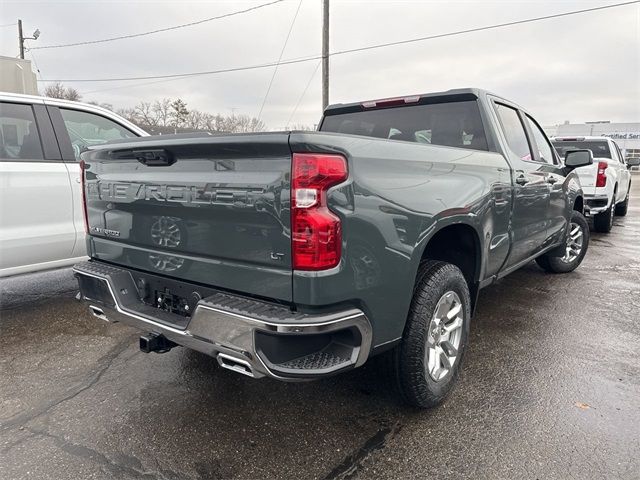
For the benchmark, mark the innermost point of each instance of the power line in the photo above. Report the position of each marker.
(479, 29)
(33, 59)
(344, 52)
(189, 74)
(175, 27)
(304, 92)
(8, 25)
(275, 70)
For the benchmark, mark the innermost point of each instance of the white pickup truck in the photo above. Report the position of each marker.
(606, 183)
(41, 221)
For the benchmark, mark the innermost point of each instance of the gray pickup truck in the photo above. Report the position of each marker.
(297, 255)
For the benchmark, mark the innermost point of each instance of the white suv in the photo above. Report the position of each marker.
(605, 183)
(41, 139)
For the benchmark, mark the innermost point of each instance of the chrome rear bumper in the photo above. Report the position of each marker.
(248, 336)
(594, 204)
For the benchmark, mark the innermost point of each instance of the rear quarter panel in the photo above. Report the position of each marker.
(399, 194)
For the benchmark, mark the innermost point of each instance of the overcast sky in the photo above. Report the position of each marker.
(580, 68)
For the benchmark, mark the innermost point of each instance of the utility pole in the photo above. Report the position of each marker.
(20, 39)
(325, 54)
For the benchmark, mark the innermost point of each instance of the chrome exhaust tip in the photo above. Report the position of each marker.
(231, 363)
(99, 313)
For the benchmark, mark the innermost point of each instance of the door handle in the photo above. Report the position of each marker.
(521, 180)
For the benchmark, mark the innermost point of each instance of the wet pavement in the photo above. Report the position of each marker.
(550, 389)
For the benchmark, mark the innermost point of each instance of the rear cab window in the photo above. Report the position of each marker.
(600, 148)
(19, 136)
(451, 124)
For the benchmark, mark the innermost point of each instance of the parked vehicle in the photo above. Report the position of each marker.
(296, 255)
(606, 183)
(41, 140)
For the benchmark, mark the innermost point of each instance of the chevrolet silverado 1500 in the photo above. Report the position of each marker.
(606, 183)
(297, 255)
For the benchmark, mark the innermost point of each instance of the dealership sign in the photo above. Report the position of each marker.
(623, 135)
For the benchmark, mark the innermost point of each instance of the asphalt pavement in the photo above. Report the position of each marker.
(550, 389)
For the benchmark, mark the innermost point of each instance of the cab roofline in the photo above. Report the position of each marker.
(458, 94)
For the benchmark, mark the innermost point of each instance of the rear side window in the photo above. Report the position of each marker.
(600, 148)
(514, 132)
(19, 137)
(86, 129)
(452, 124)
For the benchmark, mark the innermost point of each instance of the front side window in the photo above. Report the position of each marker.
(19, 137)
(450, 124)
(544, 147)
(514, 132)
(86, 129)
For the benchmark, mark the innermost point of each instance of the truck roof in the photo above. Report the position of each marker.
(453, 94)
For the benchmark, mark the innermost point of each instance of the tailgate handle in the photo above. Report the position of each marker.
(154, 158)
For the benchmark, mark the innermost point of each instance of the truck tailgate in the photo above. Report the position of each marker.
(587, 176)
(212, 210)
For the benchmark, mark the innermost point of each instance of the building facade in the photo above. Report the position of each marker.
(16, 76)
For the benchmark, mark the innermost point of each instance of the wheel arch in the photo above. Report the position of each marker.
(578, 203)
(459, 244)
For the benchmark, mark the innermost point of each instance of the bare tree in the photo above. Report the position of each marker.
(214, 123)
(58, 90)
(146, 114)
(245, 123)
(196, 120)
(162, 110)
(130, 114)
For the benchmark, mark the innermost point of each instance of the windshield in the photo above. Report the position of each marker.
(600, 148)
(452, 124)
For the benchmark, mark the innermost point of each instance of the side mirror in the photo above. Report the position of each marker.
(633, 162)
(578, 158)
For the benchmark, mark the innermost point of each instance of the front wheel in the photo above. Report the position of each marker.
(574, 250)
(427, 361)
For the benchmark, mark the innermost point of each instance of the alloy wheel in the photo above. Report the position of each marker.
(444, 336)
(574, 243)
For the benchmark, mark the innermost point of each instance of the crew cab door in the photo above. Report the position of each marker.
(544, 153)
(36, 212)
(531, 190)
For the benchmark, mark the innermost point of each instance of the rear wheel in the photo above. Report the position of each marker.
(603, 222)
(575, 248)
(621, 208)
(427, 361)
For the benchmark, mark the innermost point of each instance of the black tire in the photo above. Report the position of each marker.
(410, 366)
(560, 264)
(622, 207)
(603, 222)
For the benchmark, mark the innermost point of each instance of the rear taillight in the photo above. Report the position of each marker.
(316, 234)
(601, 178)
(84, 197)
